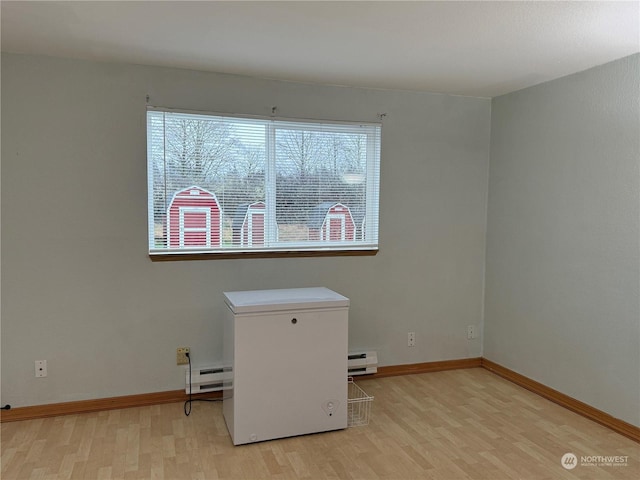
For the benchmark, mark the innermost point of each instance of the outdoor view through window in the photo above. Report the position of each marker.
(222, 184)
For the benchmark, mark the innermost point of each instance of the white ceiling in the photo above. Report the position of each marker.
(469, 48)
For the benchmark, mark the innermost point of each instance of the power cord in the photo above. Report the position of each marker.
(187, 403)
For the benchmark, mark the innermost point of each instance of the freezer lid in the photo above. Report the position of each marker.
(251, 301)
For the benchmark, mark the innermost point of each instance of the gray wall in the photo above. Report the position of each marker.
(563, 259)
(79, 290)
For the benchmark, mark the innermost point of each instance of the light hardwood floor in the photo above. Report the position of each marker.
(448, 425)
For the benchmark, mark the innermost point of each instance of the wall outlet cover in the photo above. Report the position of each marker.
(41, 368)
(181, 355)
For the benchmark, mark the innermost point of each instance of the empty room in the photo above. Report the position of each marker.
(320, 240)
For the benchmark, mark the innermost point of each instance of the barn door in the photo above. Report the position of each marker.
(336, 227)
(195, 226)
(255, 226)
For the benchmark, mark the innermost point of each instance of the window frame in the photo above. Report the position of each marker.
(276, 248)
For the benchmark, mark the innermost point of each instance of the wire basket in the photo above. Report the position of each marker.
(358, 405)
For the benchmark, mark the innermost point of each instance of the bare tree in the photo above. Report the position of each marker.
(355, 154)
(243, 178)
(196, 152)
(298, 152)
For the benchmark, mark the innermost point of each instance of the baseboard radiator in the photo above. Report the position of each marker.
(362, 363)
(219, 377)
(208, 379)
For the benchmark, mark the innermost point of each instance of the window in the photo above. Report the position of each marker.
(230, 186)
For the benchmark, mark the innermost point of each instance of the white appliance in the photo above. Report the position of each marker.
(287, 350)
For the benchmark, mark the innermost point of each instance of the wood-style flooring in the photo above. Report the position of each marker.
(461, 424)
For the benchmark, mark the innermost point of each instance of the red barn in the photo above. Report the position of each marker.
(194, 219)
(248, 225)
(331, 222)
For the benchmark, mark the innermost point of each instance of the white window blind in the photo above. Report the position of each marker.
(225, 184)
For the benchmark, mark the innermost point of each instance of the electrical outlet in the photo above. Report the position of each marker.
(411, 339)
(471, 332)
(181, 355)
(41, 368)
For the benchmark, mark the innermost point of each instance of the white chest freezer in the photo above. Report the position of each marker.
(288, 353)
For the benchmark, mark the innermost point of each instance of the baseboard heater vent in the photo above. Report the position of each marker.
(216, 378)
(362, 363)
(208, 379)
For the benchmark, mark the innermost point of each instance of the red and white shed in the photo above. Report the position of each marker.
(194, 219)
(331, 222)
(248, 224)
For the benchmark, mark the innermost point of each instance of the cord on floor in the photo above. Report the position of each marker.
(187, 403)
